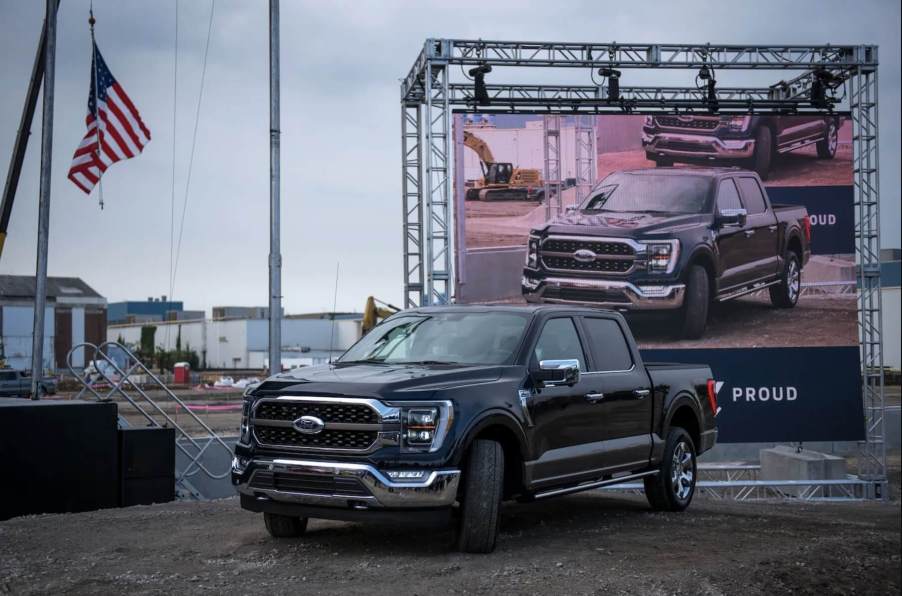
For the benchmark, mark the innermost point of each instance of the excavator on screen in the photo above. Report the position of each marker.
(501, 181)
(373, 314)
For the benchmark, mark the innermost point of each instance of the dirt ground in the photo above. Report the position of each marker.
(582, 544)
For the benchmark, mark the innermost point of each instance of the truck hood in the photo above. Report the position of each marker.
(380, 380)
(627, 225)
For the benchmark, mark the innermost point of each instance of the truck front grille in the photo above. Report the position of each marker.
(302, 423)
(693, 123)
(308, 483)
(575, 255)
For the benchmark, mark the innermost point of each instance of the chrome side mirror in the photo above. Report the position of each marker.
(732, 217)
(553, 373)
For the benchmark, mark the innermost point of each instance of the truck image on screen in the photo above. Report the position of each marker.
(670, 239)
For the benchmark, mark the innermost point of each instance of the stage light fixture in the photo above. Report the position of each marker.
(822, 81)
(479, 91)
(613, 77)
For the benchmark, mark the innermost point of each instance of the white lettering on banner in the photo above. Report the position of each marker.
(764, 394)
(822, 219)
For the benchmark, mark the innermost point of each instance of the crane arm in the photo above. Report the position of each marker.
(480, 147)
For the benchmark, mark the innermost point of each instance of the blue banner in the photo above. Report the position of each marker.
(831, 211)
(782, 394)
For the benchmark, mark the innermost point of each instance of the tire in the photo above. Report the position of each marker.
(764, 149)
(673, 487)
(786, 293)
(284, 526)
(480, 505)
(694, 313)
(826, 147)
(660, 160)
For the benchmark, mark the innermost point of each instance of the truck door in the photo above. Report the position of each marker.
(626, 402)
(732, 240)
(764, 242)
(567, 425)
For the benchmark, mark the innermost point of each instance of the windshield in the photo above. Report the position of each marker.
(442, 338)
(628, 192)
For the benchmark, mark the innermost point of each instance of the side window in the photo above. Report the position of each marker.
(609, 347)
(752, 195)
(559, 341)
(727, 196)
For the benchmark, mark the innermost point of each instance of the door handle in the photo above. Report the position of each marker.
(772, 228)
(749, 233)
(594, 397)
(641, 393)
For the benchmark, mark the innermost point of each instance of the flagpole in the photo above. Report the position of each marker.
(275, 258)
(91, 21)
(40, 284)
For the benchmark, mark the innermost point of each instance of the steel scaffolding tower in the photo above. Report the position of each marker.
(552, 176)
(428, 96)
(586, 157)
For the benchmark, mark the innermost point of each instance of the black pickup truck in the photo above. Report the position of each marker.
(750, 140)
(441, 413)
(670, 239)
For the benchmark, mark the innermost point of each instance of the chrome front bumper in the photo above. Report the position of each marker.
(437, 488)
(628, 296)
(697, 146)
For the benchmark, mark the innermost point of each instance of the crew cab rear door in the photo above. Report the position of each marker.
(763, 244)
(625, 403)
(732, 240)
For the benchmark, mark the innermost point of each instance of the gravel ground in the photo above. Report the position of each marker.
(582, 544)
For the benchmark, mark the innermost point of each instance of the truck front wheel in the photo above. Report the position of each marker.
(764, 147)
(695, 304)
(480, 506)
(786, 293)
(672, 488)
(284, 526)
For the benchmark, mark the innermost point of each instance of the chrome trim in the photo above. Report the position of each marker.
(523, 395)
(438, 489)
(757, 285)
(638, 255)
(591, 485)
(445, 419)
(707, 145)
(669, 297)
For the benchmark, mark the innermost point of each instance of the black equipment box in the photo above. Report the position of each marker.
(147, 466)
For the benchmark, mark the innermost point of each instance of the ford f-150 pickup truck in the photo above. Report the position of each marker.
(440, 413)
(749, 140)
(670, 239)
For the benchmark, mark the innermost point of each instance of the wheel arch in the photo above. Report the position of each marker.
(685, 412)
(702, 255)
(500, 426)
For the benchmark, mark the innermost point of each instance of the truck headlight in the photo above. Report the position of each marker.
(425, 426)
(532, 253)
(244, 430)
(662, 255)
(738, 123)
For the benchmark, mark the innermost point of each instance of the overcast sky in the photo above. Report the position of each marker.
(341, 64)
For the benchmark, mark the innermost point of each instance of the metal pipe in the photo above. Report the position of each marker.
(275, 258)
(22, 136)
(40, 283)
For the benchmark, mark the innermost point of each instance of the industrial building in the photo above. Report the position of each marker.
(243, 343)
(75, 313)
(152, 309)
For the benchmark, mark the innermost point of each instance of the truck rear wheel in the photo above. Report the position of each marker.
(480, 505)
(764, 148)
(695, 304)
(826, 147)
(786, 293)
(673, 487)
(284, 526)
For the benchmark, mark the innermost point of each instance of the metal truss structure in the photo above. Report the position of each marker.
(438, 84)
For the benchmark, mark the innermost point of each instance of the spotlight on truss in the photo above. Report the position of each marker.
(822, 81)
(479, 91)
(613, 76)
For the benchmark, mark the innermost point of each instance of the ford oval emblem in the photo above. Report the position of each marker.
(584, 255)
(309, 425)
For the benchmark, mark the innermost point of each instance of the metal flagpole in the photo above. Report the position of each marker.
(40, 284)
(275, 258)
(91, 21)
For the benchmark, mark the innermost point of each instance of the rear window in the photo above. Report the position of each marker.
(610, 349)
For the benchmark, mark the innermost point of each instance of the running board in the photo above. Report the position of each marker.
(754, 288)
(590, 485)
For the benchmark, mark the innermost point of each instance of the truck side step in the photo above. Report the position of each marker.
(590, 485)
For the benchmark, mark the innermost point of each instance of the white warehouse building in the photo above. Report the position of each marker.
(244, 343)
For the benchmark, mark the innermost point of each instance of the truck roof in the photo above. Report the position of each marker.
(520, 308)
(711, 172)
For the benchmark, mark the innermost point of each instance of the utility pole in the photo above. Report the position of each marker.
(275, 257)
(40, 282)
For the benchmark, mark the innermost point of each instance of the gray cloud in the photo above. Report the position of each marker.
(341, 62)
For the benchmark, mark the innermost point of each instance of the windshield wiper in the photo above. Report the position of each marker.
(425, 362)
(364, 361)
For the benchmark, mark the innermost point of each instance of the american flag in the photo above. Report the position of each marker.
(115, 130)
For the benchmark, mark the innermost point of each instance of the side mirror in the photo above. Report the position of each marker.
(732, 217)
(553, 373)
(571, 209)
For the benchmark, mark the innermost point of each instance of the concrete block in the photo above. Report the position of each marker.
(787, 463)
